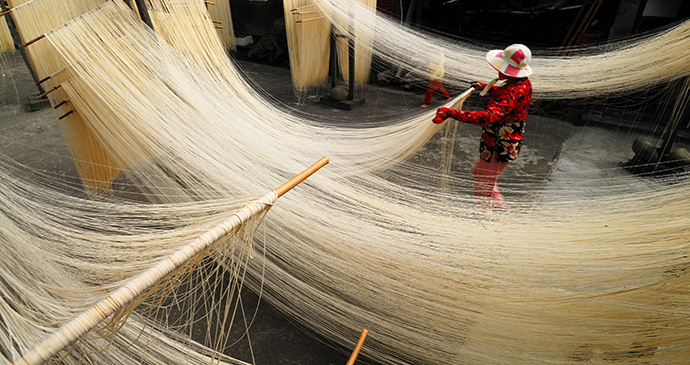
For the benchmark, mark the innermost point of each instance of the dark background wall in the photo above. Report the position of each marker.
(534, 22)
(256, 18)
(537, 22)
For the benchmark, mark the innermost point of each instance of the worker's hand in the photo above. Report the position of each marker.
(478, 86)
(444, 113)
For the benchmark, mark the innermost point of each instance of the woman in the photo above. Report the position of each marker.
(436, 73)
(503, 120)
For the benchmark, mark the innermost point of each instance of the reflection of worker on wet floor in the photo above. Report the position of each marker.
(436, 72)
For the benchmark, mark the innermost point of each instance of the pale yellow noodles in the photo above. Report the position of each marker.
(595, 271)
(6, 43)
(222, 16)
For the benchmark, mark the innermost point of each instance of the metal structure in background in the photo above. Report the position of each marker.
(661, 157)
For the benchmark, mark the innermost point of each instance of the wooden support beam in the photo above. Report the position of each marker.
(144, 13)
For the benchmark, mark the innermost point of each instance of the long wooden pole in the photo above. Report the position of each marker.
(301, 177)
(457, 102)
(358, 347)
(144, 13)
(78, 326)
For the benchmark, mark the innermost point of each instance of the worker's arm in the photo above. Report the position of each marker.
(496, 109)
(480, 86)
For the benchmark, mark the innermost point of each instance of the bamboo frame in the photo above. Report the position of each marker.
(306, 20)
(60, 104)
(43, 80)
(301, 7)
(66, 114)
(34, 40)
(49, 91)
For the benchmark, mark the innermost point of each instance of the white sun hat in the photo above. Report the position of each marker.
(512, 61)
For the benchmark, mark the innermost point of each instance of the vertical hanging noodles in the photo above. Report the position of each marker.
(222, 16)
(33, 19)
(6, 42)
(363, 41)
(308, 35)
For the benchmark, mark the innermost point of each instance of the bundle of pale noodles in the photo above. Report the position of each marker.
(6, 43)
(310, 28)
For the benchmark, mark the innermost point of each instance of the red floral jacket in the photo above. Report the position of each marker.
(503, 121)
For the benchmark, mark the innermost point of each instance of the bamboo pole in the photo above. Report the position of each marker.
(459, 100)
(50, 91)
(301, 7)
(66, 114)
(306, 12)
(299, 178)
(43, 80)
(306, 20)
(78, 326)
(60, 104)
(34, 40)
(358, 347)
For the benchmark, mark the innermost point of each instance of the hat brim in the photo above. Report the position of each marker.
(496, 61)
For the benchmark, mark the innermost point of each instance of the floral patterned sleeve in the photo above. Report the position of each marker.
(496, 109)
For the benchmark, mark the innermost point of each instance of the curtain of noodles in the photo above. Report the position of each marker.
(6, 42)
(363, 41)
(220, 12)
(308, 35)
